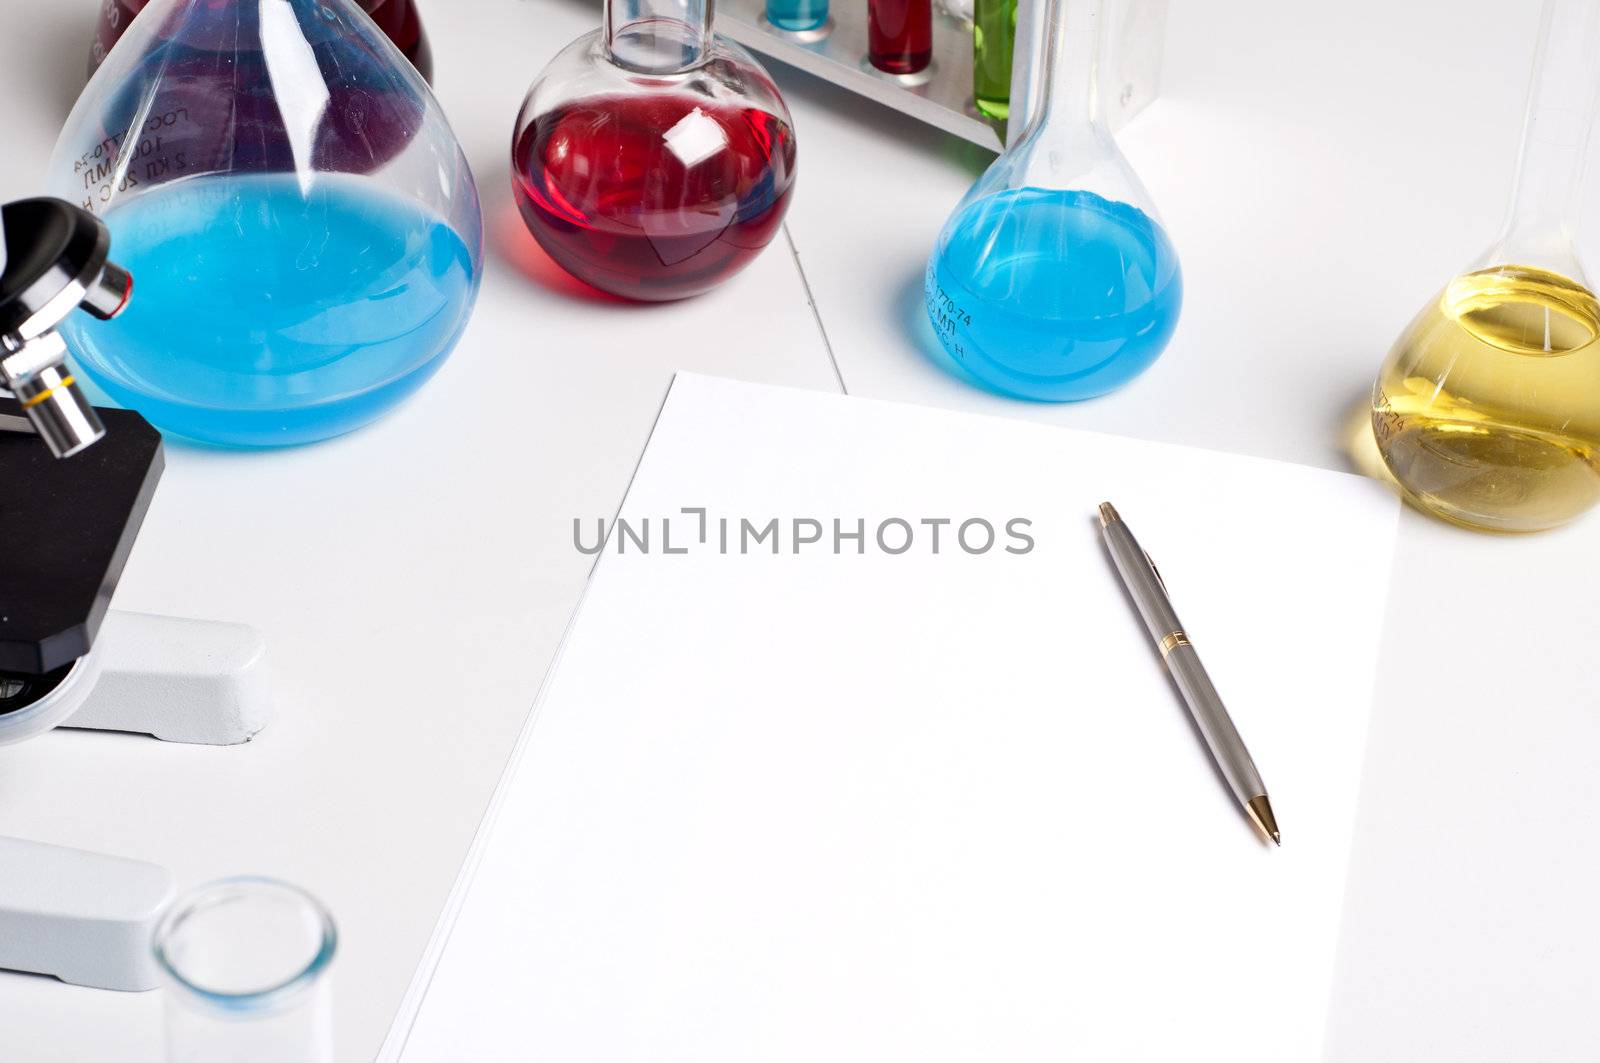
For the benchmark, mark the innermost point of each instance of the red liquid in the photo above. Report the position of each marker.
(397, 18)
(642, 197)
(900, 35)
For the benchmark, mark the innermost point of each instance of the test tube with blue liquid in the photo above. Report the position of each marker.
(797, 16)
(1053, 279)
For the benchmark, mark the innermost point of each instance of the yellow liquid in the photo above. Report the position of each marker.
(1488, 408)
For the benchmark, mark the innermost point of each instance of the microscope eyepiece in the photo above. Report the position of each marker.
(55, 262)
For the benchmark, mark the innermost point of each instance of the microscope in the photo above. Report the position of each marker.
(72, 502)
(69, 513)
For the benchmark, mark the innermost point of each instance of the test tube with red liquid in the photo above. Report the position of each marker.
(900, 35)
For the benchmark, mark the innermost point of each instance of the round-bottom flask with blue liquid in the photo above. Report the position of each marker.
(302, 260)
(1054, 279)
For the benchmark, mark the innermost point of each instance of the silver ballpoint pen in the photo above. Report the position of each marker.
(1149, 593)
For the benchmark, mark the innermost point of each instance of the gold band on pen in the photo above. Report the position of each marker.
(1172, 642)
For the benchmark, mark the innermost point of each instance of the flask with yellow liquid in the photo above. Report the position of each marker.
(1487, 410)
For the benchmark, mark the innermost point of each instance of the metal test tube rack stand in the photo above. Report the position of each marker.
(942, 95)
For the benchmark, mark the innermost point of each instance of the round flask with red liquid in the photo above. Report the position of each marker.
(653, 159)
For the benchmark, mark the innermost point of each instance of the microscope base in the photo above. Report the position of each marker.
(84, 918)
(195, 681)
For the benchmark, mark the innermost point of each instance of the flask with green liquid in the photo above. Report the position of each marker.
(1487, 410)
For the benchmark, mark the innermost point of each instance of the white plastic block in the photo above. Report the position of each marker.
(83, 917)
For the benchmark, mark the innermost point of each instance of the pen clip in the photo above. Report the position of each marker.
(1152, 563)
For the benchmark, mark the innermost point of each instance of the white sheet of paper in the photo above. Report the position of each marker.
(935, 807)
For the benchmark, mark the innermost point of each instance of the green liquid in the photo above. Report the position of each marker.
(994, 35)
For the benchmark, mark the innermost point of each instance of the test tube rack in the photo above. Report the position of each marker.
(941, 95)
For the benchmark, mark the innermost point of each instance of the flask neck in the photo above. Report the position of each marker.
(1555, 137)
(658, 36)
(1071, 63)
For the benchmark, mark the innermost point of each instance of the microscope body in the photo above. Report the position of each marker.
(67, 527)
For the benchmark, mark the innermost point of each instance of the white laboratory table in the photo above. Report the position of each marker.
(1322, 169)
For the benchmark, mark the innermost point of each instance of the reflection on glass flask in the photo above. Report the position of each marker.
(960, 10)
(397, 18)
(1053, 278)
(653, 160)
(205, 97)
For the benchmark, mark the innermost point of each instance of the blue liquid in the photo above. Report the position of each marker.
(262, 316)
(795, 15)
(1053, 295)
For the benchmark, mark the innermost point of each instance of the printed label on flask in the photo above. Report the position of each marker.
(949, 319)
(109, 167)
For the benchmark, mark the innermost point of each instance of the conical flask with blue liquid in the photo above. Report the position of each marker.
(1053, 279)
(302, 225)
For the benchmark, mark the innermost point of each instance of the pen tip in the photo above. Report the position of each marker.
(1108, 513)
(1260, 812)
